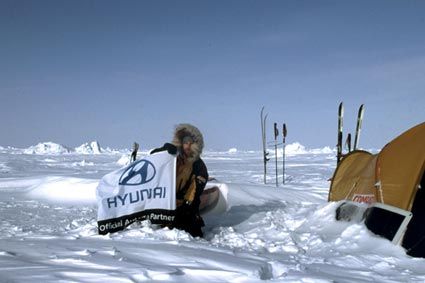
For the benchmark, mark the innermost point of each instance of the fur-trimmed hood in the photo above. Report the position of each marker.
(183, 130)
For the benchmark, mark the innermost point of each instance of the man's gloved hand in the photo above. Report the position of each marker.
(185, 207)
(184, 211)
(170, 148)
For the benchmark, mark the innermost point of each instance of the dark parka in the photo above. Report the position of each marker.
(191, 178)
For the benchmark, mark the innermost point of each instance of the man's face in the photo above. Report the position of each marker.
(186, 148)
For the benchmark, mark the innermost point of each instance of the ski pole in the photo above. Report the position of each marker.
(348, 142)
(134, 152)
(276, 134)
(340, 121)
(284, 133)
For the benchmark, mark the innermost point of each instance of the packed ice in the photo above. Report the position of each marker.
(283, 233)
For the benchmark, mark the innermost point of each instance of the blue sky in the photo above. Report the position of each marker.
(124, 71)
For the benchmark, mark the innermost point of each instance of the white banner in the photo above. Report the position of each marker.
(142, 190)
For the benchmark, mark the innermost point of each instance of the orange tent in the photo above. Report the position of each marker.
(394, 177)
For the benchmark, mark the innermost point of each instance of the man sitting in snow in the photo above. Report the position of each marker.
(191, 177)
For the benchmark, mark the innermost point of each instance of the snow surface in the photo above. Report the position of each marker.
(48, 230)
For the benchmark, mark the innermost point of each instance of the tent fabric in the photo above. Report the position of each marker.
(353, 176)
(401, 166)
(391, 176)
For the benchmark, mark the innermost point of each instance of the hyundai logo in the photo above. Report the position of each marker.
(138, 173)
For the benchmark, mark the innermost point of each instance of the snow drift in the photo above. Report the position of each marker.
(48, 229)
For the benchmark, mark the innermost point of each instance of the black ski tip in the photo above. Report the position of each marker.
(341, 109)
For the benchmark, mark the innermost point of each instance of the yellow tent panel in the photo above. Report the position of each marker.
(353, 177)
(400, 167)
(391, 177)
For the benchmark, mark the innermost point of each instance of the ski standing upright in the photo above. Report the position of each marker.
(263, 137)
(359, 126)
